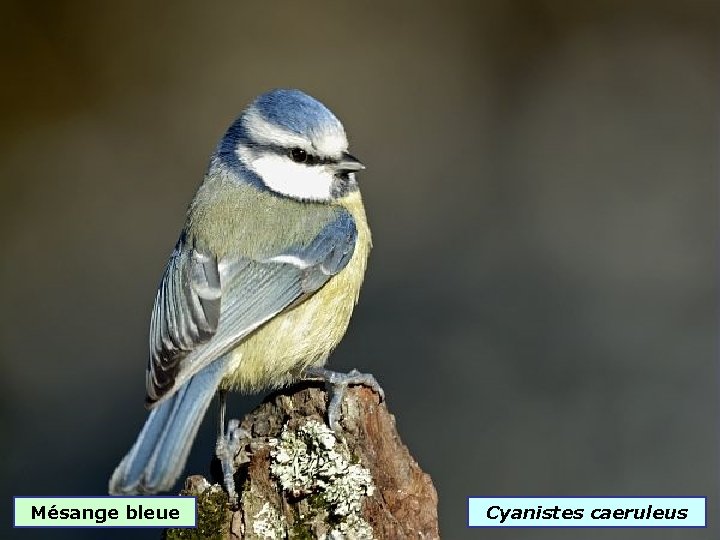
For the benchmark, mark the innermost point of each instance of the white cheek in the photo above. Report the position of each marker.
(294, 179)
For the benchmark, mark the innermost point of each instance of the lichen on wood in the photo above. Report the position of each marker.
(297, 479)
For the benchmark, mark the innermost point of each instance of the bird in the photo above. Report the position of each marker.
(260, 286)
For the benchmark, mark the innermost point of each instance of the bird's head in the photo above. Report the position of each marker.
(295, 146)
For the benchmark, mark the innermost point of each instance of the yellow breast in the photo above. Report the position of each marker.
(303, 336)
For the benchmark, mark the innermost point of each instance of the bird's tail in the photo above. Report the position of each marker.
(158, 456)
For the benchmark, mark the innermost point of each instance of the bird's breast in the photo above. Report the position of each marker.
(277, 352)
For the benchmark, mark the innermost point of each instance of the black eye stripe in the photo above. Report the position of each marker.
(310, 159)
(298, 155)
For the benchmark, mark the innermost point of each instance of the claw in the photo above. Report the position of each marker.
(336, 384)
(227, 447)
(229, 443)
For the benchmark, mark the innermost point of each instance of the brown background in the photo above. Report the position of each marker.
(541, 302)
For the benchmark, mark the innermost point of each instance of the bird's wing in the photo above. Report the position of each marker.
(205, 306)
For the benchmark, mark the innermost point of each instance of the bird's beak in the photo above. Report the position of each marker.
(349, 163)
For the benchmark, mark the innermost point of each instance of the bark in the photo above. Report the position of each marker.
(298, 479)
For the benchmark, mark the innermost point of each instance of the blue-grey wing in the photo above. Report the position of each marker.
(205, 306)
(326, 255)
(186, 312)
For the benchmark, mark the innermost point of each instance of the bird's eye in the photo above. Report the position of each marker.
(298, 155)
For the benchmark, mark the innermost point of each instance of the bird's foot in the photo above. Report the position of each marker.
(336, 384)
(227, 447)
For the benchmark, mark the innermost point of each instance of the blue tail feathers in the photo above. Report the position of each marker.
(158, 456)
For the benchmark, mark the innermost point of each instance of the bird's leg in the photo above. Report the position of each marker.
(228, 445)
(222, 405)
(336, 383)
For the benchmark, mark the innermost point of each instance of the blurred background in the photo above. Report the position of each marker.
(541, 301)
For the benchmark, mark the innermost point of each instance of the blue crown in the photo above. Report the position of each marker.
(296, 111)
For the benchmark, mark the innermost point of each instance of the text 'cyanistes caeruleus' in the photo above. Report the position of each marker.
(262, 282)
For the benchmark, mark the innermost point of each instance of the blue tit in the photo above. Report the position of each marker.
(262, 282)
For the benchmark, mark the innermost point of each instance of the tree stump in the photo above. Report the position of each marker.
(297, 479)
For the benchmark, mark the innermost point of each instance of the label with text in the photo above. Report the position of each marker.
(105, 512)
(587, 512)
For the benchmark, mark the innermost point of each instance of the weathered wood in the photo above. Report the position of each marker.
(297, 479)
